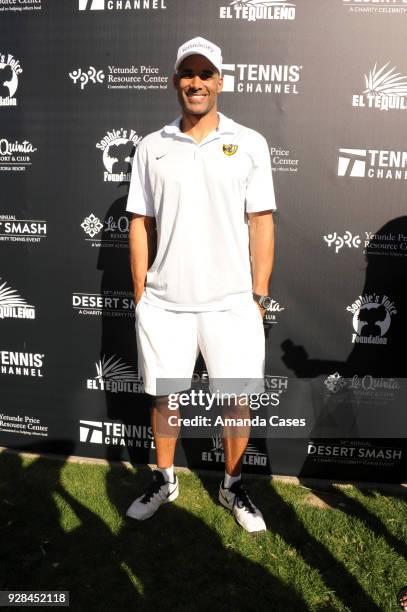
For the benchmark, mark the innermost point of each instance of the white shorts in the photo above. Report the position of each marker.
(168, 343)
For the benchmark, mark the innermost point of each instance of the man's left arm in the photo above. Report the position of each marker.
(261, 243)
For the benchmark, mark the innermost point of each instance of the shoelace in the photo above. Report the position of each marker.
(152, 489)
(242, 499)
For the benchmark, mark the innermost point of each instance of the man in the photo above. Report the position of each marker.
(201, 249)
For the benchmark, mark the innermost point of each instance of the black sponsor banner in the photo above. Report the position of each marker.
(72, 113)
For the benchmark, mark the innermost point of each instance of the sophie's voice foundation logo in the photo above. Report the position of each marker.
(118, 148)
(371, 318)
(10, 71)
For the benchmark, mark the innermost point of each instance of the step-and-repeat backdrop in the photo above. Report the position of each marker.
(325, 81)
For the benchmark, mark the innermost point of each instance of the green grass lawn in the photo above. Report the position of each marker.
(62, 527)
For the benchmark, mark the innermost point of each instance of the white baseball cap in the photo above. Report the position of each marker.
(200, 46)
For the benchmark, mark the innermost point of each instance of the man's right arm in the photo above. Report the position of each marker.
(143, 248)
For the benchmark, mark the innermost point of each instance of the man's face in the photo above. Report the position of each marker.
(198, 84)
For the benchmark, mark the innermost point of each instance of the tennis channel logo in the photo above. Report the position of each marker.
(261, 78)
(115, 434)
(385, 89)
(15, 363)
(121, 5)
(118, 148)
(373, 163)
(10, 71)
(115, 376)
(12, 305)
(258, 10)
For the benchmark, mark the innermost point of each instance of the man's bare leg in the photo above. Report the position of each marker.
(235, 438)
(165, 435)
(232, 494)
(164, 485)
(234, 452)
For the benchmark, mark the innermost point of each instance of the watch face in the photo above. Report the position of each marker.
(265, 302)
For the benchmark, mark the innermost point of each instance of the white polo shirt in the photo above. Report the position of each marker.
(199, 194)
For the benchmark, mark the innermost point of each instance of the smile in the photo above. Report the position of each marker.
(195, 98)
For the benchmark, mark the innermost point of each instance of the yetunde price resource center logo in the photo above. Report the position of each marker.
(118, 148)
(137, 78)
(115, 376)
(12, 306)
(15, 156)
(337, 241)
(371, 318)
(23, 425)
(385, 90)
(380, 243)
(373, 163)
(116, 434)
(10, 71)
(282, 160)
(261, 78)
(20, 6)
(22, 230)
(258, 10)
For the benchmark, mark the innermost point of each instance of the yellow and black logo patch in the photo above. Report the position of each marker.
(230, 149)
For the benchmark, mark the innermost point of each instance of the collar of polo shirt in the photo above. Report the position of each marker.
(226, 126)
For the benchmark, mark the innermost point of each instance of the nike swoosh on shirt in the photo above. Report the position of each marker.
(160, 156)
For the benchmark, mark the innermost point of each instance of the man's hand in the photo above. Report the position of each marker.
(142, 242)
(262, 310)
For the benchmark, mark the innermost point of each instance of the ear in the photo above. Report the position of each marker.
(175, 80)
(220, 84)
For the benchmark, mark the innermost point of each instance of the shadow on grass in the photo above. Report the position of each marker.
(172, 561)
(337, 499)
(183, 564)
(281, 519)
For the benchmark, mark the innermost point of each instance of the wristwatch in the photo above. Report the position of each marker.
(263, 300)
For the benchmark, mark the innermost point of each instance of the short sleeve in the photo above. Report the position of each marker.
(260, 189)
(140, 199)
